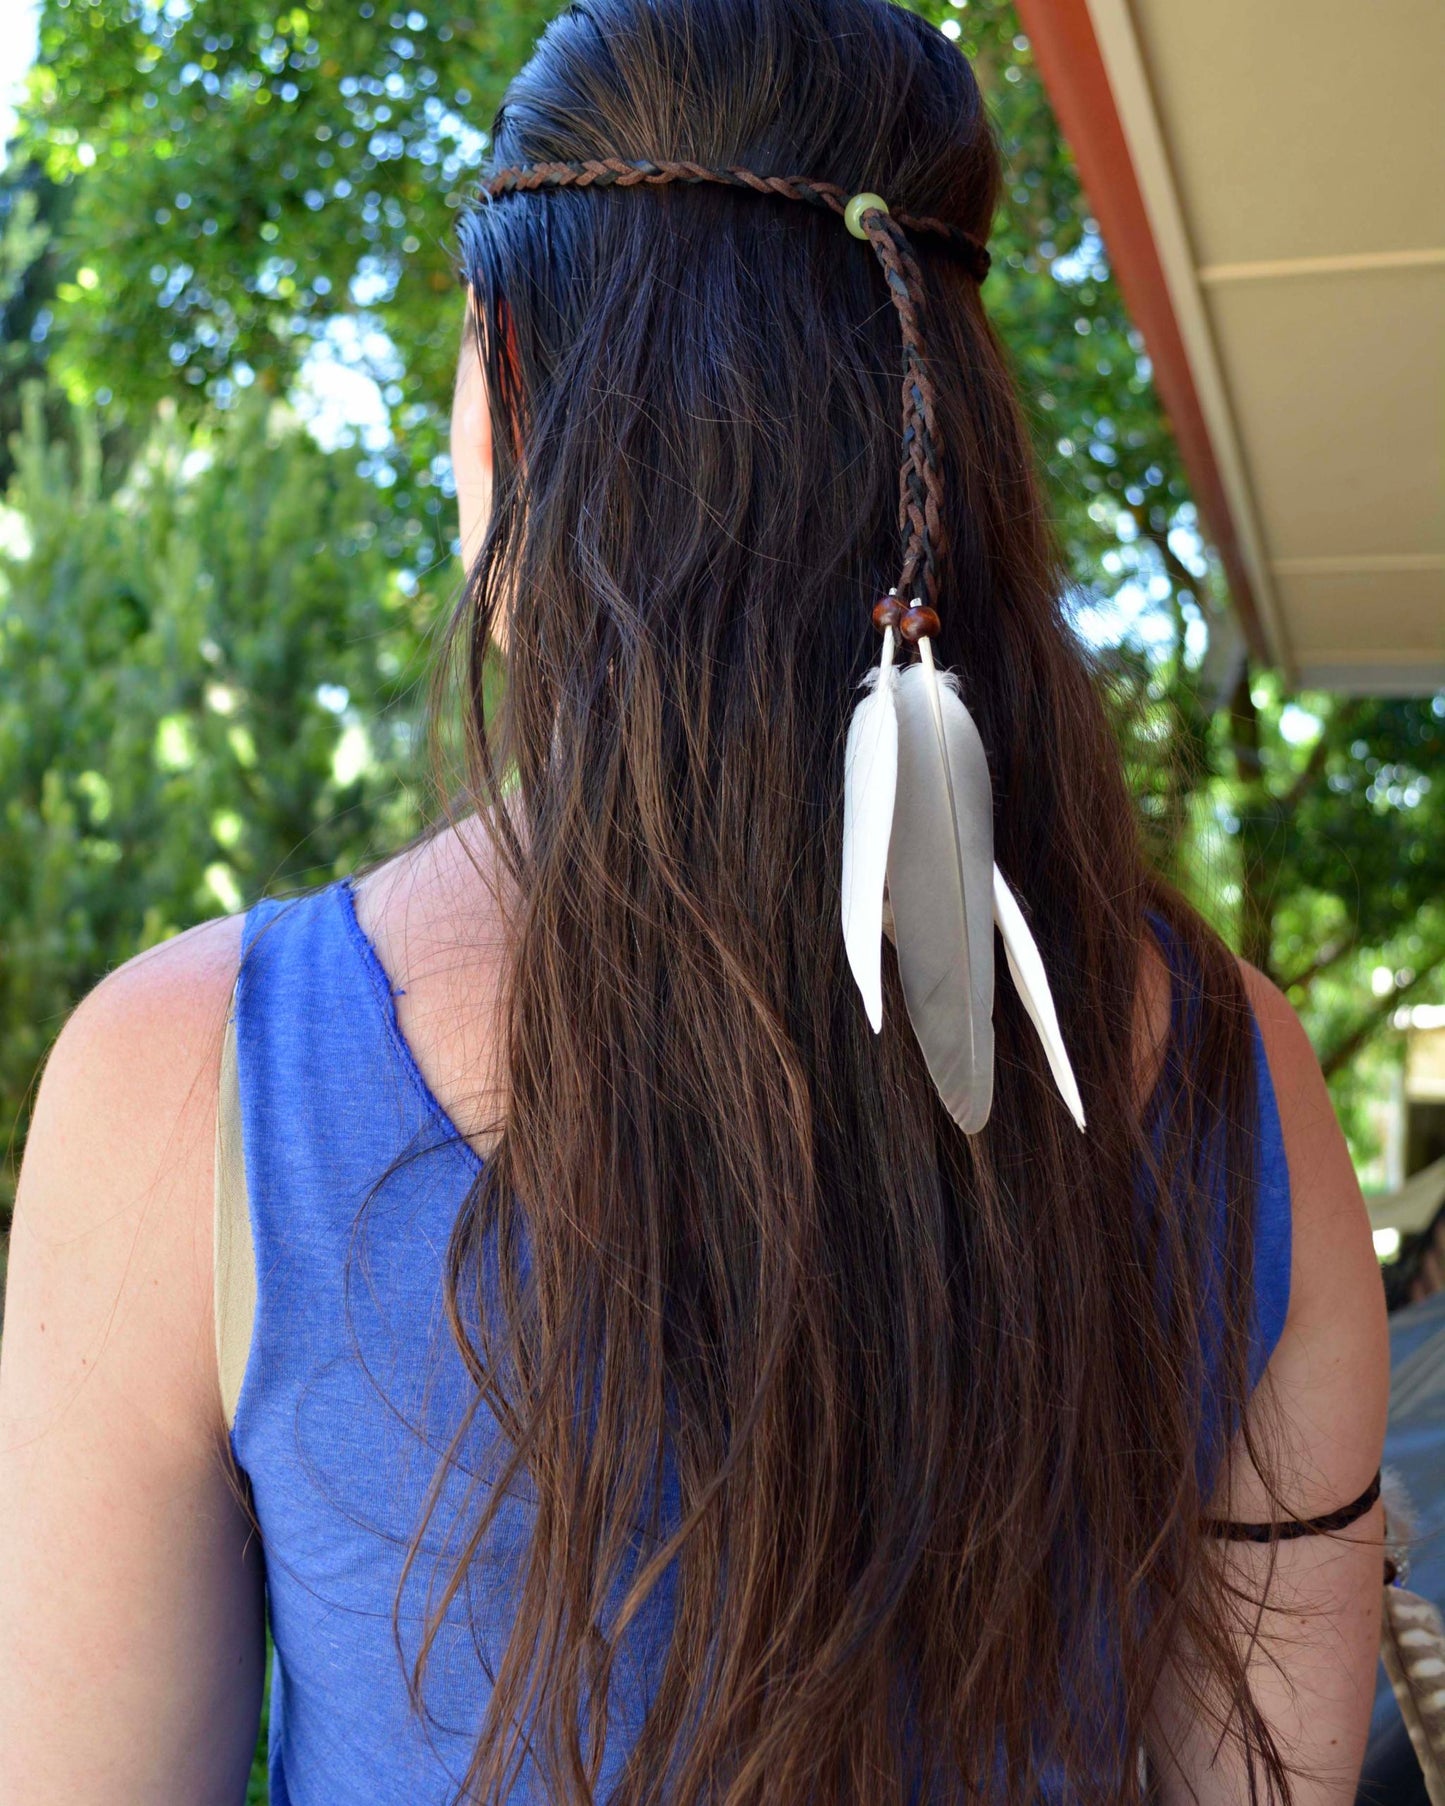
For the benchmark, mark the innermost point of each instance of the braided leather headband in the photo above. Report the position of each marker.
(920, 487)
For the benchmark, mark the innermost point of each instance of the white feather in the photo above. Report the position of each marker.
(939, 863)
(870, 780)
(1027, 966)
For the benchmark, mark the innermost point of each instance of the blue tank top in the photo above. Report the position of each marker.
(352, 1384)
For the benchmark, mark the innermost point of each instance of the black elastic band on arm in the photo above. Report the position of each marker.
(1293, 1527)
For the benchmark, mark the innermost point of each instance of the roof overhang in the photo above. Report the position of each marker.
(1267, 181)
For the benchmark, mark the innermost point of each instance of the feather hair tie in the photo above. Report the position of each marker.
(918, 824)
(917, 799)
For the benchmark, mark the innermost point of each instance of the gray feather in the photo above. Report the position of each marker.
(940, 888)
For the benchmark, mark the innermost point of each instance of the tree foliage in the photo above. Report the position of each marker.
(204, 681)
(1337, 808)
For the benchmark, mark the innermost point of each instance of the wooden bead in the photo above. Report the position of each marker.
(887, 612)
(919, 623)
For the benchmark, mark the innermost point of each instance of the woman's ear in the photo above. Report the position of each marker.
(471, 443)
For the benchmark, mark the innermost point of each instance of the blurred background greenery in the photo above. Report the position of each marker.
(228, 324)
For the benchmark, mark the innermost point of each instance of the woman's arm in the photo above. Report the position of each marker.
(1320, 1411)
(131, 1616)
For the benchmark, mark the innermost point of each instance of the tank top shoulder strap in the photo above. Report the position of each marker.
(1272, 1210)
(328, 1101)
(318, 1091)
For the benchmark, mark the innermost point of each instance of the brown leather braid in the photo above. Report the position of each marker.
(612, 172)
(920, 480)
(920, 483)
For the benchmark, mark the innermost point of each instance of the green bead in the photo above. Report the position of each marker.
(857, 207)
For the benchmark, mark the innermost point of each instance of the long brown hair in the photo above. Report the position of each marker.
(883, 1448)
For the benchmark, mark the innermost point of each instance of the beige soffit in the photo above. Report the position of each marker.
(1290, 159)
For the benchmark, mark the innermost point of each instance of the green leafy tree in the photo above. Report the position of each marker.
(206, 690)
(247, 178)
(1338, 805)
(31, 208)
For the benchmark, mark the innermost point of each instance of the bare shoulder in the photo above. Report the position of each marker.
(179, 982)
(128, 1570)
(128, 1072)
(111, 1245)
(1329, 1376)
